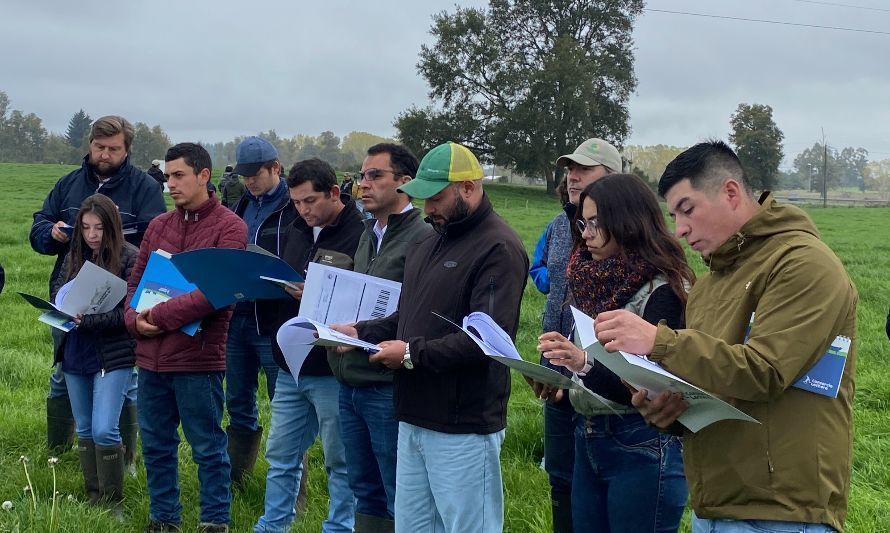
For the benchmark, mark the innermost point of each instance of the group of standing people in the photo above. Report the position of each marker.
(411, 435)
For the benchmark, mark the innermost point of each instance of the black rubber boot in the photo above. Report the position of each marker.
(365, 523)
(87, 450)
(244, 445)
(110, 469)
(59, 425)
(161, 527)
(129, 429)
(561, 504)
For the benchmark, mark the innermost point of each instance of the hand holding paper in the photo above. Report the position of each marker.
(561, 351)
(298, 335)
(704, 409)
(625, 331)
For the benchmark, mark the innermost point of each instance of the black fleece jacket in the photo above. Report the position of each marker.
(475, 264)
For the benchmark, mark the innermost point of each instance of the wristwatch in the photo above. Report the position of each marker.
(406, 360)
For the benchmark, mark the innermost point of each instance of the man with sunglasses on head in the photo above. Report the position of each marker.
(367, 420)
(593, 159)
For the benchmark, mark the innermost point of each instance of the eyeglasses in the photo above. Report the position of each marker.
(583, 225)
(374, 174)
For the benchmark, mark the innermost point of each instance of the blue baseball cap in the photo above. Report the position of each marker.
(252, 153)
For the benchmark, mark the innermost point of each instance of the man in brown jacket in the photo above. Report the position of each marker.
(775, 298)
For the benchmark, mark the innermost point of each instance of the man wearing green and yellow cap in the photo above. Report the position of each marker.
(450, 398)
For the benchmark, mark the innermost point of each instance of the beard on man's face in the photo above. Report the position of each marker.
(459, 210)
(103, 168)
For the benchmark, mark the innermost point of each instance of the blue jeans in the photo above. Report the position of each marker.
(195, 400)
(704, 525)
(96, 402)
(559, 445)
(628, 476)
(246, 353)
(57, 388)
(449, 482)
(300, 412)
(370, 435)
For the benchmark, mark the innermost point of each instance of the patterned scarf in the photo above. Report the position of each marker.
(607, 284)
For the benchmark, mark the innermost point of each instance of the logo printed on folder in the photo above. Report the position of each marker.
(825, 376)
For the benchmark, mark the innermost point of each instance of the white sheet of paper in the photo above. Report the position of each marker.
(297, 336)
(704, 408)
(334, 296)
(94, 290)
(280, 282)
(497, 344)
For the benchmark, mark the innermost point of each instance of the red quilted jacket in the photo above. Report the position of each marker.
(210, 226)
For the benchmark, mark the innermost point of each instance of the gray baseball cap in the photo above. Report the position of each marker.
(591, 153)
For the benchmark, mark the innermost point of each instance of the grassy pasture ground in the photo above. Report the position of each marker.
(860, 236)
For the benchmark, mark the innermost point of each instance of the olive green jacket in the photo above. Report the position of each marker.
(795, 465)
(403, 232)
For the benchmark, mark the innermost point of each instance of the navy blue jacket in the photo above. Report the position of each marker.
(270, 237)
(136, 194)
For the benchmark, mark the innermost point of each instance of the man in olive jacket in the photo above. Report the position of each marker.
(766, 263)
(368, 426)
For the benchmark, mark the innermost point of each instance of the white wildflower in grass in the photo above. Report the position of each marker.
(53, 461)
(70, 498)
(30, 487)
(7, 505)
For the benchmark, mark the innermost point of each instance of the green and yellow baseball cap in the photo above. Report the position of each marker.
(444, 164)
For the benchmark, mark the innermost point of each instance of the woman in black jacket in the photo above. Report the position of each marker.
(627, 476)
(97, 356)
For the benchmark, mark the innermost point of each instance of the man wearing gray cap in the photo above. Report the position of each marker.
(266, 209)
(593, 159)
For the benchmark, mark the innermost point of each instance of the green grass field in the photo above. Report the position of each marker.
(860, 236)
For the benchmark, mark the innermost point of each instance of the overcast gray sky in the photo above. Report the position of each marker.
(211, 70)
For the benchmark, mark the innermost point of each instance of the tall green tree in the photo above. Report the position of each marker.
(758, 143)
(78, 128)
(22, 138)
(524, 81)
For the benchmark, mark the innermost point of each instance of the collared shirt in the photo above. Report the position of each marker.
(380, 230)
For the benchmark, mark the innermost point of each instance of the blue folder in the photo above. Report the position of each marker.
(227, 275)
(161, 281)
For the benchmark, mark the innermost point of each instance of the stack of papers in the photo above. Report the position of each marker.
(497, 344)
(639, 372)
(93, 291)
(299, 335)
(337, 296)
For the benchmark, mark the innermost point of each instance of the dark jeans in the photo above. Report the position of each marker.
(246, 353)
(370, 434)
(628, 477)
(195, 400)
(559, 445)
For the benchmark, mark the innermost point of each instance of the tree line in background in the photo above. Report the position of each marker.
(23, 139)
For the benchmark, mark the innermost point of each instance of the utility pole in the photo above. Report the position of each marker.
(824, 171)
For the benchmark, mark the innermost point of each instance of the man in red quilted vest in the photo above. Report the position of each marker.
(180, 376)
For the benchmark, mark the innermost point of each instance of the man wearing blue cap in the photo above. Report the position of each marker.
(266, 209)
